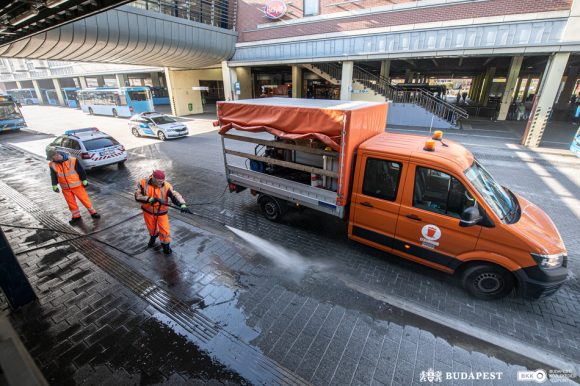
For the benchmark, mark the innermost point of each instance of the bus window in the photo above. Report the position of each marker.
(138, 95)
(9, 112)
(122, 100)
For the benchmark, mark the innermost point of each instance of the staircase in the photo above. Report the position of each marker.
(442, 110)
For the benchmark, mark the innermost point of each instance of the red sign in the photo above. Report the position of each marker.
(275, 9)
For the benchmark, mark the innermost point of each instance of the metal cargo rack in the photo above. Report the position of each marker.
(313, 197)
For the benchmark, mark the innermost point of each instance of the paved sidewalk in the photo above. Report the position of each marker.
(218, 311)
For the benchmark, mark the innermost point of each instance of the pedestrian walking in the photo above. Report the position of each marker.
(154, 193)
(67, 172)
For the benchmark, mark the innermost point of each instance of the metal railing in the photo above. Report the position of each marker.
(331, 69)
(418, 96)
(384, 87)
(218, 13)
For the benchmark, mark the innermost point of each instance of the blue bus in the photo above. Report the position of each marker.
(118, 102)
(71, 98)
(10, 115)
(25, 96)
(160, 95)
(51, 97)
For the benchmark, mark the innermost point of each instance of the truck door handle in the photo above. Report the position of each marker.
(413, 217)
(367, 204)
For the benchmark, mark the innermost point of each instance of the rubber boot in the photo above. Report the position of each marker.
(74, 220)
(95, 215)
(166, 249)
(152, 240)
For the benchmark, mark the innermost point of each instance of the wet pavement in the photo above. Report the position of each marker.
(285, 303)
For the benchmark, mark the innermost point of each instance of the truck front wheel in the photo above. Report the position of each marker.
(272, 208)
(487, 281)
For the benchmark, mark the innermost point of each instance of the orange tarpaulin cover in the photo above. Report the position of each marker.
(341, 125)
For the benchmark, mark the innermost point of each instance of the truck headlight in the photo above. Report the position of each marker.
(549, 261)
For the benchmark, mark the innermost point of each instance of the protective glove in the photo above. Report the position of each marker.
(153, 200)
(85, 182)
(55, 188)
(185, 209)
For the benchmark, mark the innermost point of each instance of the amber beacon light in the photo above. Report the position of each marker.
(438, 135)
(429, 145)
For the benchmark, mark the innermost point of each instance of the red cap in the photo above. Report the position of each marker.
(159, 174)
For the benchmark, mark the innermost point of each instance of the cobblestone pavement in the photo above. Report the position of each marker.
(317, 319)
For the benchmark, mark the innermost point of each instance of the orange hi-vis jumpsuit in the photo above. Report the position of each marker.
(71, 185)
(155, 214)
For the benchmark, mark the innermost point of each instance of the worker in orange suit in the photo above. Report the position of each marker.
(67, 172)
(154, 193)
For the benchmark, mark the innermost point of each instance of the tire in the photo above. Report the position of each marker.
(487, 281)
(161, 136)
(272, 208)
(135, 132)
(91, 112)
(115, 114)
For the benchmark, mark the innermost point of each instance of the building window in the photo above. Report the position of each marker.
(311, 7)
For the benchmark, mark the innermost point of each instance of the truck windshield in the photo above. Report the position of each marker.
(497, 197)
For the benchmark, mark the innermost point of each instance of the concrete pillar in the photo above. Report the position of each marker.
(510, 86)
(58, 90)
(155, 79)
(18, 84)
(296, 82)
(122, 80)
(346, 80)
(83, 82)
(244, 76)
(527, 88)
(517, 89)
(475, 89)
(169, 80)
(566, 93)
(545, 98)
(385, 69)
(486, 86)
(409, 76)
(38, 92)
(230, 79)
(100, 80)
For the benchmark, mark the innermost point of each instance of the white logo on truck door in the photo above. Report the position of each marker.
(431, 233)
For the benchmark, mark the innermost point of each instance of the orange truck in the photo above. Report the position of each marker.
(425, 199)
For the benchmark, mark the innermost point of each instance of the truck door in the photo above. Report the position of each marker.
(428, 228)
(376, 200)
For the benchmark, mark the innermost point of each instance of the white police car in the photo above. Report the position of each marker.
(93, 148)
(154, 124)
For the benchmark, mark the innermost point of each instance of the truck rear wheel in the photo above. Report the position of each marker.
(487, 281)
(272, 208)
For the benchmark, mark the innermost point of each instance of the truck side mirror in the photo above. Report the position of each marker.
(470, 217)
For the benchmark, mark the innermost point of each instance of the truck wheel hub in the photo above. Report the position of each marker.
(488, 282)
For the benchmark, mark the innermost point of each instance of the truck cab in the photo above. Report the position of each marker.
(432, 202)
